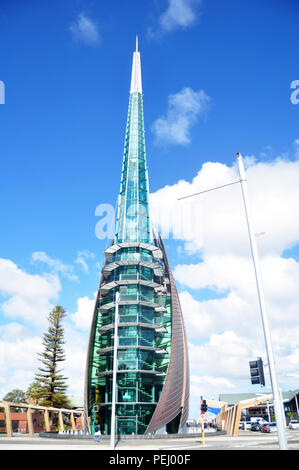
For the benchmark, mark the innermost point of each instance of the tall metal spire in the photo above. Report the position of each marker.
(133, 221)
(136, 85)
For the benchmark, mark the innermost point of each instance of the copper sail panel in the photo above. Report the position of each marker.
(174, 398)
(91, 352)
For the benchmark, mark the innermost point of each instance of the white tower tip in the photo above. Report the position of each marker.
(136, 85)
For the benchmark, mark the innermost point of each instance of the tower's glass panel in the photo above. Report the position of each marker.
(133, 222)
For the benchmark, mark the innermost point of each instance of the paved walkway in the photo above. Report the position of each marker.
(246, 440)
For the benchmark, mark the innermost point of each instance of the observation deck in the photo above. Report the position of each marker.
(105, 288)
(157, 307)
(156, 251)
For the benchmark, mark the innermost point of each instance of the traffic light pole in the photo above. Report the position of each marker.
(278, 408)
(202, 422)
(203, 429)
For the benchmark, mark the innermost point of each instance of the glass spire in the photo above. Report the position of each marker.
(133, 220)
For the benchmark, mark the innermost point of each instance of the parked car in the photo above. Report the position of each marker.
(245, 425)
(265, 427)
(294, 424)
(268, 427)
(255, 426)
(272, 427)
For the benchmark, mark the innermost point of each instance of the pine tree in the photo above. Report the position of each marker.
(52, 383)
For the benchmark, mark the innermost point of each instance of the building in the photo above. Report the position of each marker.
(152, 358)
(290, 404)
(19, 422)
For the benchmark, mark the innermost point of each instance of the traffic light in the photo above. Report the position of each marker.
(257, 372)
(204, 406)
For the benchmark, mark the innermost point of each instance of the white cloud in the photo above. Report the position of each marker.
(13, 331)
(179, 14)
(184, 109)
(224, 355)
(215, 315)
(273, 193)
(18, 357)
(29, 296)
(207, 386)
(85, 30)
(233, 273)
(82, 318)
(75, 363)
(19, 360)
(56, 265)
(225, 330)
(234, 320)
(82, 256)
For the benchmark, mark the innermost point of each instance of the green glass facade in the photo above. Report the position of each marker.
(144, 342)
(133, 220)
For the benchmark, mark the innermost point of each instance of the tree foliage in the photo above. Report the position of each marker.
(33, 393)
(15, 396)
(50, 385)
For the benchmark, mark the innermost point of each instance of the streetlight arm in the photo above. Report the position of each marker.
(208, 190)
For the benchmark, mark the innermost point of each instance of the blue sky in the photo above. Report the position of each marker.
(220, 72)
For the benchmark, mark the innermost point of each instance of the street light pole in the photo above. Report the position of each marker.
(279, 414)
(112, 437)
(278, 406)
(268, 412)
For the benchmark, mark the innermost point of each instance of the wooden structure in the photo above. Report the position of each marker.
(46, 415)
(229, 418)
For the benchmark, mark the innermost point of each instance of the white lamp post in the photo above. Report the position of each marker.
(112, 437)
(278, 407)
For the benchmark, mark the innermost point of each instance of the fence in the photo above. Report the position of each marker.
(30, 418)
